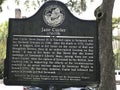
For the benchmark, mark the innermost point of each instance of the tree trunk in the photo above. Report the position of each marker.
(105, 46)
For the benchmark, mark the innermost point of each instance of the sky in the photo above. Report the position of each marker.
(9, 10)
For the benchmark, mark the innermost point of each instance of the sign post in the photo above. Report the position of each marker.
(52, 48)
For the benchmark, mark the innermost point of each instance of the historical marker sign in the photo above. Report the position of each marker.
(52, 47)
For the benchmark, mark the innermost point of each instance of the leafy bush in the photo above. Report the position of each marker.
(1, 68)
(3, 38)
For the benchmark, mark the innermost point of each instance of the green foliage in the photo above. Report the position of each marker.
(17, 2)
(3, 37)
(116, 38)
(1, 2)
(116, 23)
(75, 5)
(1, 69)
(30, 3)
(117, 60)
